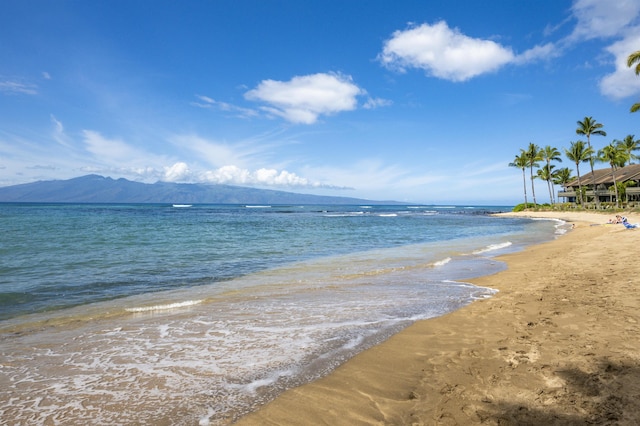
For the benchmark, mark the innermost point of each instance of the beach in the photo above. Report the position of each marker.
(557, 345)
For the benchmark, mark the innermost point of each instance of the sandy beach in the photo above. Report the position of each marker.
(558, 345)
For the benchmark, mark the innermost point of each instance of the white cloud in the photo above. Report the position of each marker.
(233, 175)
(443, 52)
(179, 172)
(111, 150)
(304, 98)
(59, 134)
(611, 20)
(598, 18)
(282, 178)
(372, 103)
(446, 53)
(623, 82)
(214, 153)
(114, 156)
(546, 51)
(208, 102)
(227, 175)
(15, 87)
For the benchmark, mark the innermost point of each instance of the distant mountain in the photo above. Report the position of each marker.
(99, 189)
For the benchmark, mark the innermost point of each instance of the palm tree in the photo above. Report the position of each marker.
(634, 58)
(589, 127)
(520, 162)
(549, 154)
(579, 153)
(628, 145)
(562, 176)
(533, 156)
(546, 173)
(613, 155)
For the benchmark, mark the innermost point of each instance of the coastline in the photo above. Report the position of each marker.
(557, 345)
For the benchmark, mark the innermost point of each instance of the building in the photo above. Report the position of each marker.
(603, 180)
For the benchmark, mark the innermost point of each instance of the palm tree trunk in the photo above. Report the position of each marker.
(593, 177)
(533, 189)
(615, 185)
(579, 184)
(524, 184)
(550, 183)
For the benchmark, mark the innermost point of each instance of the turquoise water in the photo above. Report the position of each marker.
(121, 314)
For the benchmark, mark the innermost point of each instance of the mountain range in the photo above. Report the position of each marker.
(100, 189)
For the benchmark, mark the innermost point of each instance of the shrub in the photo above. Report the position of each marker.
(520, 207)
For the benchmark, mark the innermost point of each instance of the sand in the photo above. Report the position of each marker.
(558, 345)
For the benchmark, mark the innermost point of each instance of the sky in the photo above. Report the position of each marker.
(415, 101)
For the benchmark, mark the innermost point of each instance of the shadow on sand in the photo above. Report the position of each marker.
(610, 395)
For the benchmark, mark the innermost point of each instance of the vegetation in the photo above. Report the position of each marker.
(562, 176)
(549, 154)
(615, 156)
(618, 153)
(532, 154)
(521, 162)
(588, 127)
(628, 145)
(578, 153)
(523, 206)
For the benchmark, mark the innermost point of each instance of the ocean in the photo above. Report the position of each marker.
(183, 315)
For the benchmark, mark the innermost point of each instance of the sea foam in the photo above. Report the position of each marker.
(493, 247)
(442, 262)
(176, 305)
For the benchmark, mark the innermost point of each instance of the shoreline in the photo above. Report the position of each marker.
(557, 345)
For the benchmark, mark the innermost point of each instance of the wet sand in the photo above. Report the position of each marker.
(558, 345)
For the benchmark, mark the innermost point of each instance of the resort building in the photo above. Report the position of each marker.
(602, 179)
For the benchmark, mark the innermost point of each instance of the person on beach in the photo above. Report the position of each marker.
(620, 219)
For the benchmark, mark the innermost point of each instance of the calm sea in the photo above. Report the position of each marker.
(161, 314)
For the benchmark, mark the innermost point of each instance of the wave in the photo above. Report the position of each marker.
(493, 247)
(346, 214)
(164, 307)
(388, 215)
(258, 207)
(442, 262)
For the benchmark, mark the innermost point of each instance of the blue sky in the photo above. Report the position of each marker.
(418, 101)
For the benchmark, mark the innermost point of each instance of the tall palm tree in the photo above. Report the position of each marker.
(549, 154)
(546, 173)
(579, 153)
(589, 127)
(628, 145)
(634, 58)
(521, 162)
(533, 156)
(562, 176)
(613, 155)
